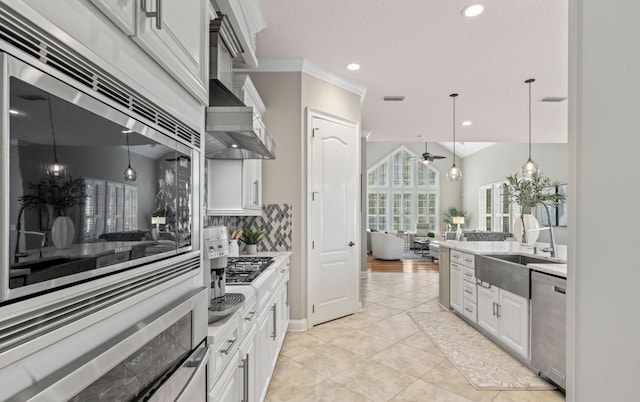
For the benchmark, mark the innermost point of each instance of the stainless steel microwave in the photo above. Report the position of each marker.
(88, 189)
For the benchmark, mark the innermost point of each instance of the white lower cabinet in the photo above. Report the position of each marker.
(250, 367)
(456, 291)
(505, 316)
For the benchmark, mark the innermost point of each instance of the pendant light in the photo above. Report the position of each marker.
(454, 173)
(129, 173)
(56, 169)
(529, 168)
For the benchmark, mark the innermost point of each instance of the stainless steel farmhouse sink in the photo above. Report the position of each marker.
(521, 259)
(508, 272)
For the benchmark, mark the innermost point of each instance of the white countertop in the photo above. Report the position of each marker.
(513, 247)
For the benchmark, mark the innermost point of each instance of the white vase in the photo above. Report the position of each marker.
(530, 222)
(62, 232)
(251, 248)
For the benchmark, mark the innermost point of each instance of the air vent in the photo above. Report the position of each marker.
(393, 98)
(554, 99)
(30, 39)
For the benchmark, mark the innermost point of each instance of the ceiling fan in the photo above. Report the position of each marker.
(427, 157)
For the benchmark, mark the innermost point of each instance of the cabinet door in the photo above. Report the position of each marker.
(180, 43)
(120, 12)
(265, 344)
(283, 312)
(229, 386)
(456, 287)
(249, 364)
(487, 306)
(513, 312)
(251, 183)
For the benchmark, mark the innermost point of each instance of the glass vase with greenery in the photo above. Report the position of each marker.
(57, 193)
(531, 192)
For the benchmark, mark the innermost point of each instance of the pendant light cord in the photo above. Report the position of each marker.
(529, 120)
(454, 127)
(53, 134)
(529, 81)
(128, 152)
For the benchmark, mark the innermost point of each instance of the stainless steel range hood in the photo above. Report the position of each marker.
(234, 133)
(233, 130)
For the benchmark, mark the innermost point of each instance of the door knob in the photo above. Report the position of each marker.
(351, 244)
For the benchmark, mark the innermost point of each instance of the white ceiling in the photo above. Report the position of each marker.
(425, 50)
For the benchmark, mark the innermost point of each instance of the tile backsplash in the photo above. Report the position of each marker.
(276, 220)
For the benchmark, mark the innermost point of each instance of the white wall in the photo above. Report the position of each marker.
(450, 192)
(287, 96)
(604, 273)
(495, 163)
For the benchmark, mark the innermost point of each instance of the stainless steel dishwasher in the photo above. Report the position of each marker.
(549, 326)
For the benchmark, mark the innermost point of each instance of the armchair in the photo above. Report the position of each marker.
(386, 246)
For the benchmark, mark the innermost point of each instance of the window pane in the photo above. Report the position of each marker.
(488, 223)
(382, 223)
(382, 204)
(382, 174)
(489, 203)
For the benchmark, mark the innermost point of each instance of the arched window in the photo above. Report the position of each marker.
(401, 192)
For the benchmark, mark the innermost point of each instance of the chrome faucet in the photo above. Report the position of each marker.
(17, 254)
(552, 248)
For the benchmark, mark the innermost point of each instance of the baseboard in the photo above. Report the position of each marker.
(297, 325)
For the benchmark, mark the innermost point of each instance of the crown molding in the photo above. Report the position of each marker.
(308, 67)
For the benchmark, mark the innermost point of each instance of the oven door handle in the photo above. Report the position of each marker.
(201, 363)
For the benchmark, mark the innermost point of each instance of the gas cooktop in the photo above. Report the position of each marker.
(243, 270)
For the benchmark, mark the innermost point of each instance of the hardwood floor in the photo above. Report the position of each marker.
(416, 266)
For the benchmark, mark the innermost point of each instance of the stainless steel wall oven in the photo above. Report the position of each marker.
(88, 190)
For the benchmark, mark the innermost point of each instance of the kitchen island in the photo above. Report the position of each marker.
(490, 286)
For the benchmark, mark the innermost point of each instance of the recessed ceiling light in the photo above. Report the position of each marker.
(12, 111)
(127, 131)
(466, 123)
(473, 10)
(234, 146)
(353, 66)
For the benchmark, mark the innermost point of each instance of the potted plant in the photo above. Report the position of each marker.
(529, 193)
(448, 216)
(61, 195)
(251, 238)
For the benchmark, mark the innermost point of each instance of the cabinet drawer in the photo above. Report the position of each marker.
(469, 291)
(470, 311)
(248, 319)
(469, 260)
(224, 339)
(456, 256)
(469, 274)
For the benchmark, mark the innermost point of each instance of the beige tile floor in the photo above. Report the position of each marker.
(379, 354)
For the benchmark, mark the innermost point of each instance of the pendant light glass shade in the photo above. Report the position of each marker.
(530, 168)
(56, 169)
(454, 173)
(129, 173)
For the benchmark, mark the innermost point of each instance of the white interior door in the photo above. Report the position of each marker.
(334, 202)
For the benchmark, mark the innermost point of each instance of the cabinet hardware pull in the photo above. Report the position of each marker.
(494, 309)
(282, 271)
(479, 282)
(468, 291)
(231, 342)
(559, 290)
(245, 378)
(249, 317)
(471, 311)
(275, 319)
(467, 274)
(255, 192)
(154, 14)
(498, 310)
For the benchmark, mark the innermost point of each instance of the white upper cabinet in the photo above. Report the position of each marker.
(247, 20)
(174, 33)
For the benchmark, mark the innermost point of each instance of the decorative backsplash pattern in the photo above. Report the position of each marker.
(276, 220)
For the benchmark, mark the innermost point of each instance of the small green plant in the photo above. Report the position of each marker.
(431, 235)
(252, 236)
(57, 193)
(448, 216)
